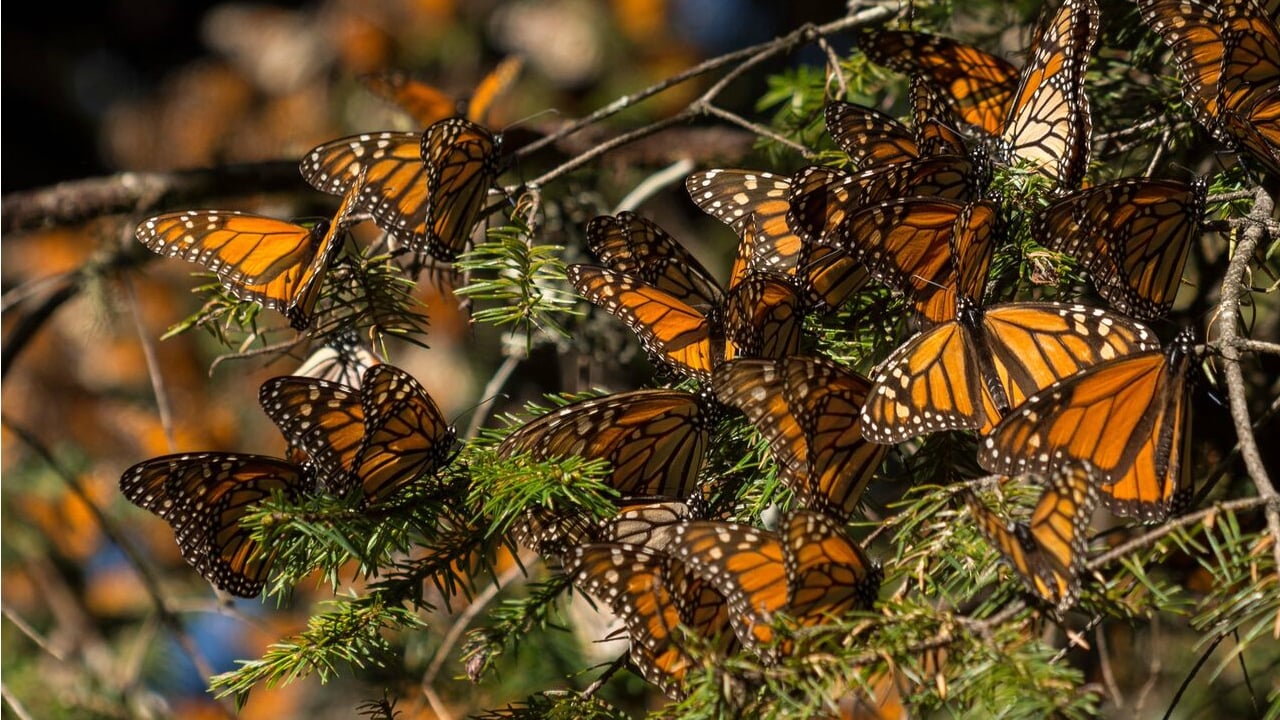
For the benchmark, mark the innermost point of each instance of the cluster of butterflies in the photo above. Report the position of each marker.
(370, 440)
(427, 190)
(1083, 400)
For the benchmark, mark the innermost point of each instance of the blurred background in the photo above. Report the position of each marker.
(155, 85)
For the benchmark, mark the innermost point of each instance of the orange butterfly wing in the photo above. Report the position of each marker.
(1048, 553)
(204, 496)
(967, 373)
(1132, 235)
(1049, 124)
(462, 164)
(654, 440)
(1126, 418)
(394, 192)
(977, 85)
(405, 435)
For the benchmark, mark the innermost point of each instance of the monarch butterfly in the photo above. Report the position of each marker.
(1047, 553)
(968, 373)
(378, 439)
(276, 263)
(1128, 419)
(828, 573)
(742, 563)
(1132, 235)
(1039, 115)
(405, 435)
(654, 440)
(978, 86)
(676, 308)
(654, 595)
(737, 197)
(204, 496)
(394, 191)
(1228, 54)
(426, 104)
(811, 570)
(1049, 124)
(462, 162)
(808, 409)
(324, 419)
(930, 249)
(822, 197)
(552, 533)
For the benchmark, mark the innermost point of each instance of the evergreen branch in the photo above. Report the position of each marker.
(526, 283)
(354, 632)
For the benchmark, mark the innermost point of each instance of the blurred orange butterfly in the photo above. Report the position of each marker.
(1049, 552)
(428, 105)
(204, 496)
(1127, 419)
(378, 439)
(808, 409)
(272, 262)
(969, 372)
(674, 305)
(1132, 235)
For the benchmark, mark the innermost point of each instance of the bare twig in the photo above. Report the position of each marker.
(1233, 290)
(457, 629)
(879, 13)
(1170, 526)
(670, 175)
(491, 391)
(71, 203)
